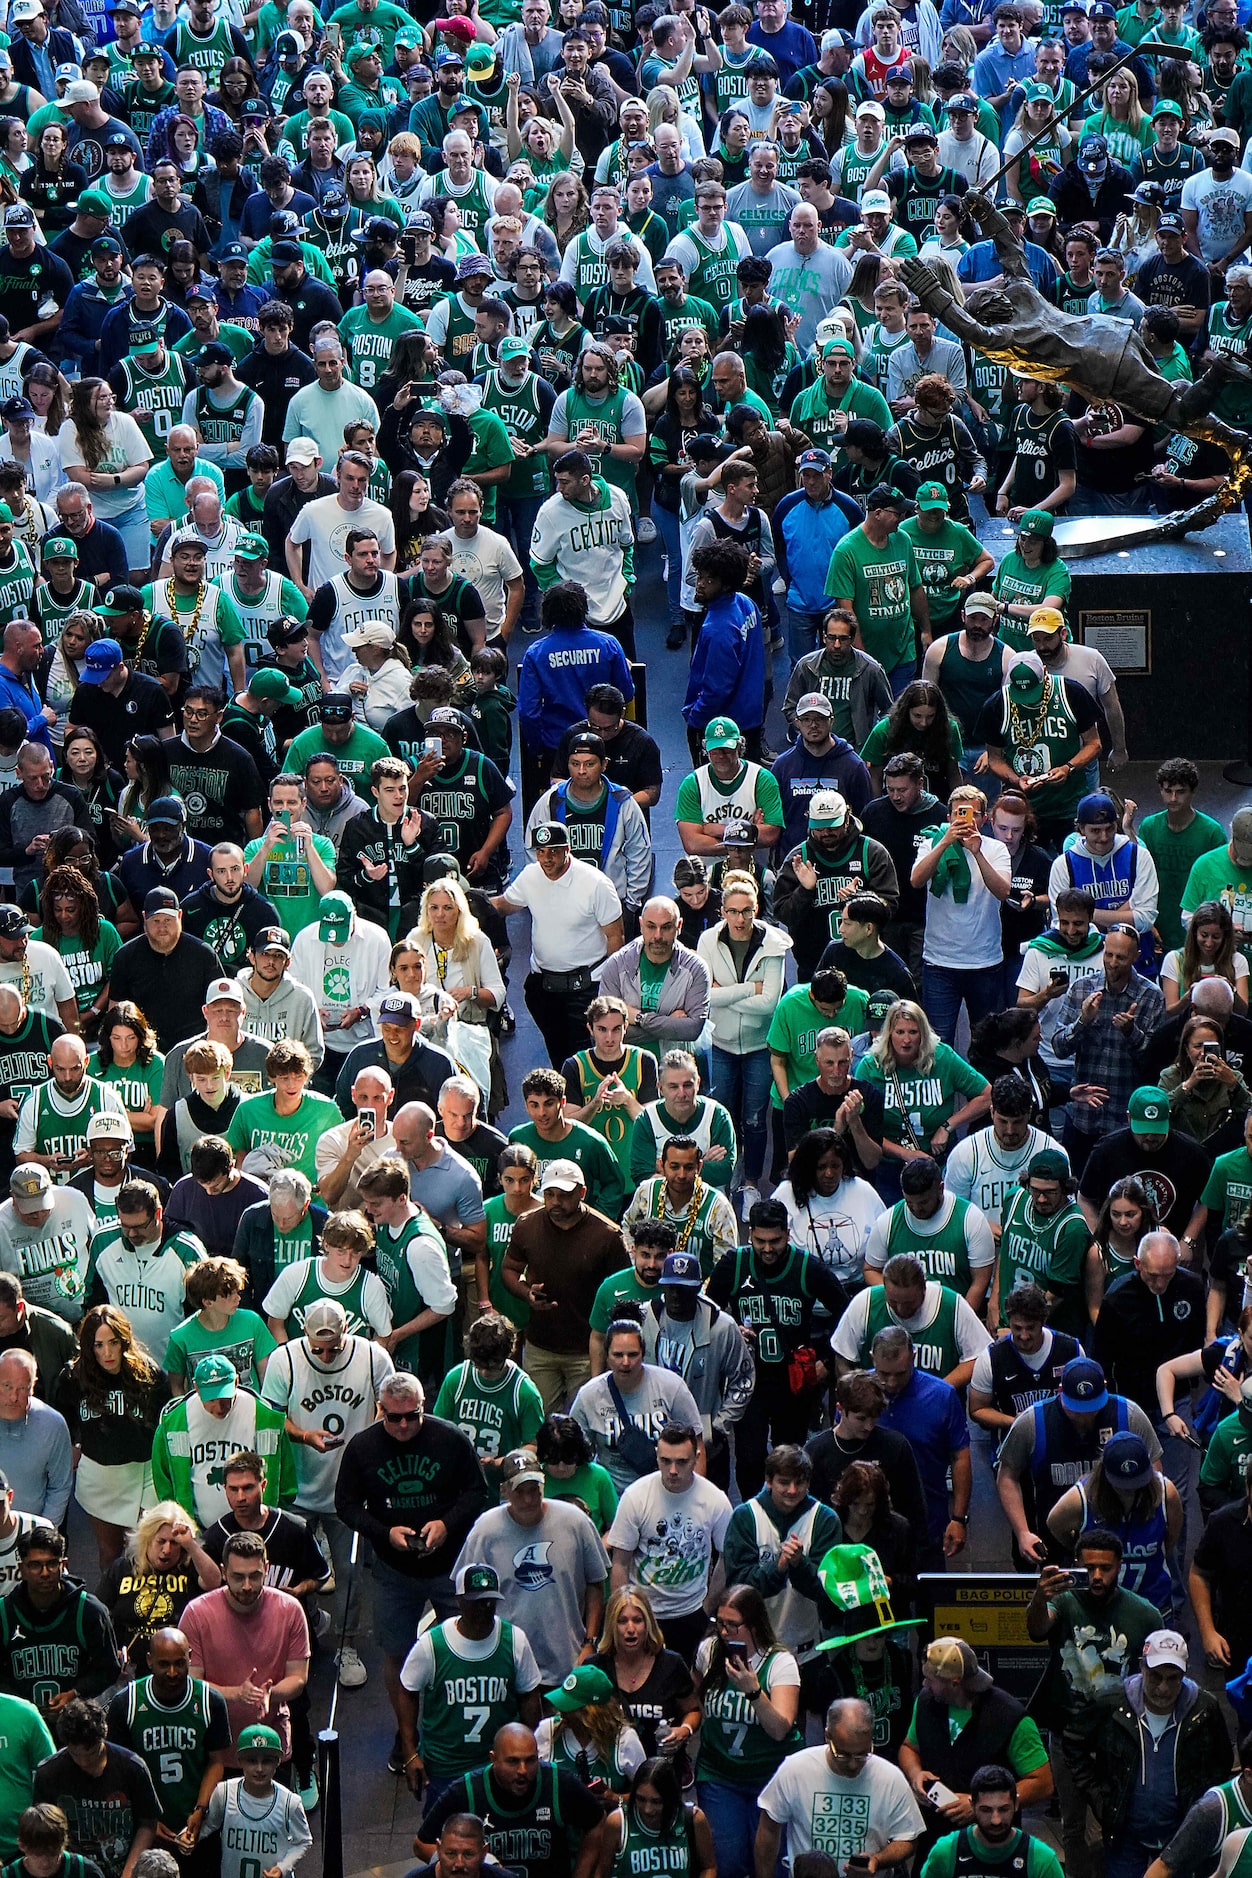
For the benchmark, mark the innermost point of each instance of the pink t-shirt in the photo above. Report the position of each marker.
(227, 1649)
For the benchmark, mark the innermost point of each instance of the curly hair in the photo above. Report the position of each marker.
(932, 745)
(92, 438)
(597, 349)
(71, 880)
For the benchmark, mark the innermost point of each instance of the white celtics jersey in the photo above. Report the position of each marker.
(10, 1576)
(981, 1171)
(257, 1834)
(257, 613)
(340, 1398)
(717, 806)
(351, 608)
(11, 371)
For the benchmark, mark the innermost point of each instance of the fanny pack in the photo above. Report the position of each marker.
(633, 1445)
(567, 981)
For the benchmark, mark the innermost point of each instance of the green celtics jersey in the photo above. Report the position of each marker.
(154, 399)
(280, 598)
(352, 1298)
(208, 54)
(474, 204)
(42, 1657)
(174, 1742)
(17, 584)
(733, 1744)
(143, 108)
(430, 1352)
(500, 1224)
(223, 423)
(518, 409)
(614, 1124)
(852, 167)
(370, 343)
(468, 1699)
(604, 417)
(644, 1854)
(943, 1253)
(714, 277)
(60, 1122)
(1032, 441)
(1045, 1252)
(459, 333)
(50, 612)
(497, 1416)
(1036, 742)
(87, 970)
(935, 1346)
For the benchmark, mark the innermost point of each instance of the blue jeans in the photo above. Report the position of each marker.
(742, 1085)
(516, 521)
(732, 1813)
(668, 528)
(945, 989)
(900, 676)
(803, 631)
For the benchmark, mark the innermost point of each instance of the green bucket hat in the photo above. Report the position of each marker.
(853, 1579)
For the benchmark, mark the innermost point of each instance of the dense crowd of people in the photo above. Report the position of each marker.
(379, 390)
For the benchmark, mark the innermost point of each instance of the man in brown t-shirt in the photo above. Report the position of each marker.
(557, 1260)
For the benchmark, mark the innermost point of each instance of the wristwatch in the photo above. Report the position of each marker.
(962, 1519)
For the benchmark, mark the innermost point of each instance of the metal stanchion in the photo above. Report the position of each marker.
(329, 1774)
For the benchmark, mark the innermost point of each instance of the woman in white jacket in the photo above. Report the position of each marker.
(380, 676)
(746, 959)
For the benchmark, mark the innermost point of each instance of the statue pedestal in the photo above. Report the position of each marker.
(1173, 621)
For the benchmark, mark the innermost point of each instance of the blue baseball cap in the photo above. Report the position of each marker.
(1083, 1389)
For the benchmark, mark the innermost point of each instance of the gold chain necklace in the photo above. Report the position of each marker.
(1022, 727)
(693, 1211)
(171, 601)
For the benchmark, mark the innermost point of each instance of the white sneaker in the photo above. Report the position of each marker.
(352, 1671)
(647, 529)
(748, 1197)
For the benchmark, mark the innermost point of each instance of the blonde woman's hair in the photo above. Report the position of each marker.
(881, 1049)
(660, 99)
(944, 271)
(739, 882)
(467, 927)
(629, 1594)
(164, 1513)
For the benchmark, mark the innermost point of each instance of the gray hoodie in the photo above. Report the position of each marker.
(289, 1011)
(332, 822)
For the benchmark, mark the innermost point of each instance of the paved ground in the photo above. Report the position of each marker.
(378, 1814)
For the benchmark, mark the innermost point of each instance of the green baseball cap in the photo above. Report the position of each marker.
(838, 344)
(1035, 522)
(257, 1735)
(95, 202)
(1041, 205)
(932, 496)
(721, 733)
(269, 683)
(215, 1378)
(1051, 1164)
(6, 513)
(581, 1688)
(144, 339)
(1167, 107)
(1148, 1109)
(334, 922)
(60, 548)
(1025, 680)
(253, 547)
(853, 1579)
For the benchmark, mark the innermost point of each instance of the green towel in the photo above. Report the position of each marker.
(952, 874)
